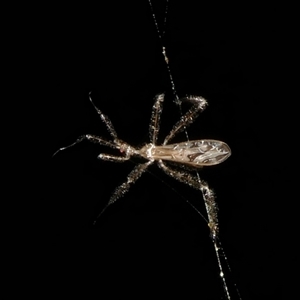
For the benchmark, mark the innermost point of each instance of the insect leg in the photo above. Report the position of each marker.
(113, 158)
(155, 118)
(199, 104)
(105, 120)
(208, 195)
(91, 138)
(121, 190)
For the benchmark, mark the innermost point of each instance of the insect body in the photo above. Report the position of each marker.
(196, 153)
(187, 155)
(193, 153)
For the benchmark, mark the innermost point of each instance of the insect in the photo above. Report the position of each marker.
(188, 156)
(191, 154)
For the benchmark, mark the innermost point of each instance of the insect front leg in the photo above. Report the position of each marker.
(92, 138)
(105, 119)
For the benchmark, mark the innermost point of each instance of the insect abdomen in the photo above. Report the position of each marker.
(196, 153)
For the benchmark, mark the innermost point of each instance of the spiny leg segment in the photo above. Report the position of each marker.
(199, 104)
(119, 192)
(208, 195)
(92, 138)
(96, 139)
(105, 119)
(155, 118)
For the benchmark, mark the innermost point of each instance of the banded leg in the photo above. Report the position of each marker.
(208, 195)
(121, 190)
(199, 105)
(155, 118)
(91, 138)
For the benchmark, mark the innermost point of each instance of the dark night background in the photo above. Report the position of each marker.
(151, 242)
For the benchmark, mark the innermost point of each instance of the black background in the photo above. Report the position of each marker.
(151, 241)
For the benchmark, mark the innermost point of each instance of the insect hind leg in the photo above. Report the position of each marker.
(208, 195)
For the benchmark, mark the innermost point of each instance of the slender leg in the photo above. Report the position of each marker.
(113, 158)
(105, 120)
(91, 138)
(208, 194)
(121, 190)
(155, 118)
(199, 105)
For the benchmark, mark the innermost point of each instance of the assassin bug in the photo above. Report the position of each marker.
(195, 154)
